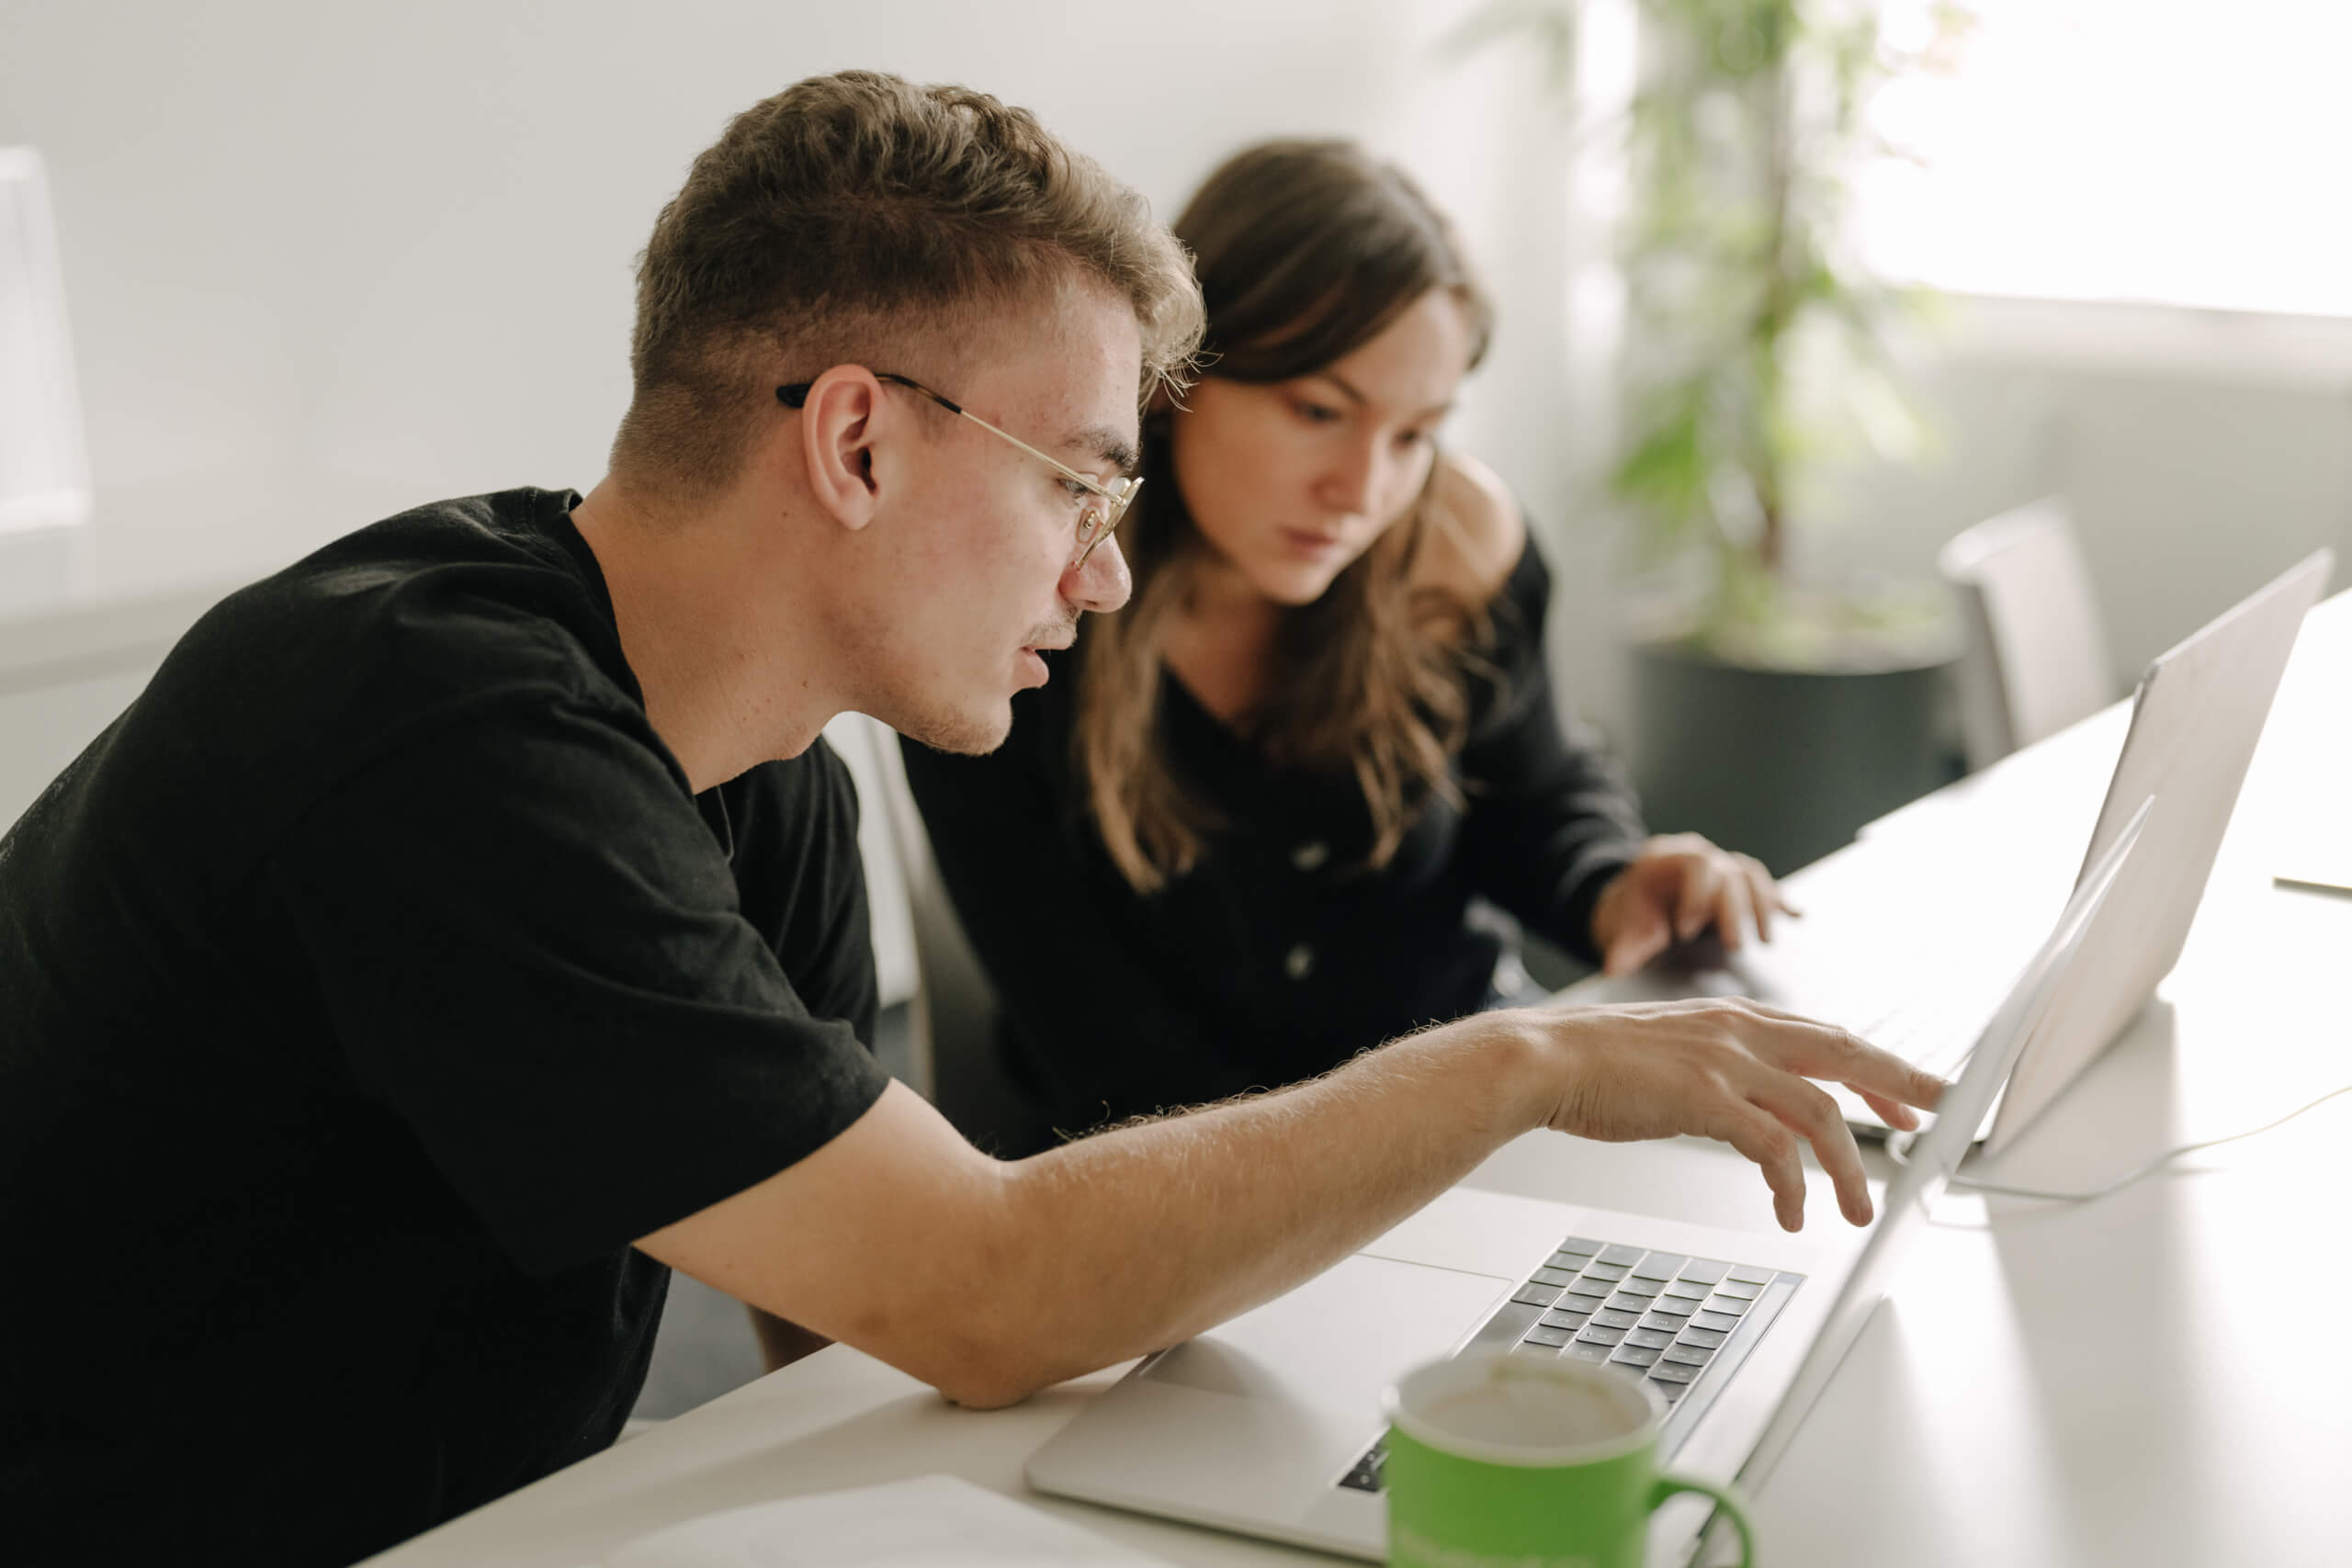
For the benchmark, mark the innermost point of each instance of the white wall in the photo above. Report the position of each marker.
(343, 258)
(326, 260)
(2204, 452)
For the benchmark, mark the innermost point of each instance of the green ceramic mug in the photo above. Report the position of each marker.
(1503, 1460)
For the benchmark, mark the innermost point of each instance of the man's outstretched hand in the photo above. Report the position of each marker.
(1737, 1071)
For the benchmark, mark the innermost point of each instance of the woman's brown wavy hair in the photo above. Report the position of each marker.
(1305, 251)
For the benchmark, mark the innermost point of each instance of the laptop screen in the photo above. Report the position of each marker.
(1937, 1151)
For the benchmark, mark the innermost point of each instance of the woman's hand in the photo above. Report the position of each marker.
(1678, 886)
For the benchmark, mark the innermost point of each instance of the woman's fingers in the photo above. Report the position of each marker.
(1763, 893)
(1739, 911)
(1699, 897)
(1696, 884)
(1642, 934)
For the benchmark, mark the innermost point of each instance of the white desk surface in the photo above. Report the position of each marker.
(2162, 1377)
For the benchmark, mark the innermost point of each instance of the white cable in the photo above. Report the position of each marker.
(1896, 1148)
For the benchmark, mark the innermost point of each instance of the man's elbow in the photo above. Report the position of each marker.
(980, 1347)
(991, 1376)
(987, 1393)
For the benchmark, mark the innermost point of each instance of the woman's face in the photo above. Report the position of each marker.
(1292, 480)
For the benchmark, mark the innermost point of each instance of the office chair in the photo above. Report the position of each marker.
(2036, 658)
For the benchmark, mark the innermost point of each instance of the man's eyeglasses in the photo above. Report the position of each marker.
(1094, 524)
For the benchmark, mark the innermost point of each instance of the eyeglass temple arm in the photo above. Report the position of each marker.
(796, 394)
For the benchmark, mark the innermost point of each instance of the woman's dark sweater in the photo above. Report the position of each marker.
(1280, 953)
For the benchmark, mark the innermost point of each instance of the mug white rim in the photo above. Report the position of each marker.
(1471, 1367)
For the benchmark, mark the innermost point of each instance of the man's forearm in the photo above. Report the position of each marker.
(782, 1341)
(1201, 1216)
(989, 1280)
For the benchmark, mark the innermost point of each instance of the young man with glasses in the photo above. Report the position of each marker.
(468, 920)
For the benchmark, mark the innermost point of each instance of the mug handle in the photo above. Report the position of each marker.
(1726, 1503)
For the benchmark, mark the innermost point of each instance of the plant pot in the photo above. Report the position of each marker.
(1785, 764)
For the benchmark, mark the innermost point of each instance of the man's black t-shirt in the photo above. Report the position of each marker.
(365, 989)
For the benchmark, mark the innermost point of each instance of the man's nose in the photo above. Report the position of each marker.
(1101, 584)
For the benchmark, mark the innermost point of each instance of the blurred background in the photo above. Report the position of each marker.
(281, 268)
(322, 262)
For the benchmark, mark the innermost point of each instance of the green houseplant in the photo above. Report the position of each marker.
(1776, 711)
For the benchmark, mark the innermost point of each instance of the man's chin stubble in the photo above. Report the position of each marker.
(959, 734)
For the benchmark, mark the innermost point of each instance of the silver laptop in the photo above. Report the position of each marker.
(1270, 1424)
(1918, 971)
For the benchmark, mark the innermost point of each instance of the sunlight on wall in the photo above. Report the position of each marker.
(2165, 151)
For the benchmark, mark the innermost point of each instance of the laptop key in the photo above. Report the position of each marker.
(1579, 1244)
(1573, 1262)
(1664, 1322)
(1541, 1335)
(1650, 1339)
(1728, 1288)
(1612, 1272)
(1677, 1307)
(1722, 1322)
(1706, 1336)
(1706, 1270)
(1686, 1354)
(1537, 1295)
(1637, 1286)
(1551, 1277)
(1610, 1318)
(1559, 1318)
(1628, 1255)
(1620, 1301)
(1669, 1371)
(1631, 1356)
(1599, 1334)
(1532, 1347)
(1659, 1265)
(1588, 1352)
(1748, 1274)
(1694, 1289)
(1726, 1307)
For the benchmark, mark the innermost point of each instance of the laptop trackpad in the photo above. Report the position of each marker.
(1335, 1341)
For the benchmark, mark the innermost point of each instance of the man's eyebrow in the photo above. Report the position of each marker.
(1102, 441)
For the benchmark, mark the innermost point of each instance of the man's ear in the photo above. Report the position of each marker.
(837, 434)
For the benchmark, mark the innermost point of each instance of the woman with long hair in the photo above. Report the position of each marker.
(1235, 838)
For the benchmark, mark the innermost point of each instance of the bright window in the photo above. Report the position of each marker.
(2179, 151)
(44, 479)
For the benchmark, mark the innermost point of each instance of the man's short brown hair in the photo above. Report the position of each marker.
(852, 214)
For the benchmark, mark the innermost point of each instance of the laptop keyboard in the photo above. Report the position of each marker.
(1931, 1021)
(1681, 1324)
(1933, 1034)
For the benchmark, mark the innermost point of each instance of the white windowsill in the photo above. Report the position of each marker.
(2156, 339)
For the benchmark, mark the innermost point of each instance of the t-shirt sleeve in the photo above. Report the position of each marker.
(1551, 817)
(800, 880)
(531, 950)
